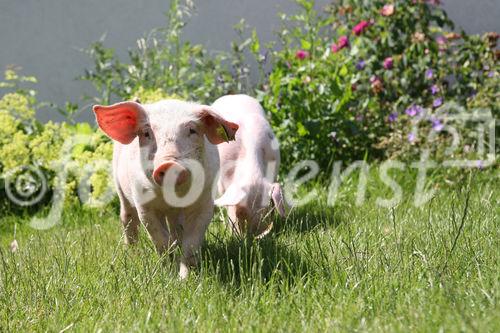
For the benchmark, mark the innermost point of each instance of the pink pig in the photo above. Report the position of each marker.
(164, 166)
(249, 166)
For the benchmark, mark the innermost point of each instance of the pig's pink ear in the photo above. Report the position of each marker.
(217, 129)
(278, 199)
(120, 121)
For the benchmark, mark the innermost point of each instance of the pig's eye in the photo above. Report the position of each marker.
(147, 134)
(192, 131)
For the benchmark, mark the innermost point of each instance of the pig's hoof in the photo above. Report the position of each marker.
(183, 272)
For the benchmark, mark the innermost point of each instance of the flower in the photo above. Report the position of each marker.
(302, 54)
(377, 85)
(388, 63)
(332, 135)
(360, 27)
(434, 89)
(491, 74)
(437, 125)
(387, 10)
(437, 102)
(343, 42)
(441, 40)
(418, 37)
(480, 164)
(393, 117)
(414, 110)
(360, 65)
(491, 38)
(354, 87)
(452, 36)
(411, 137)
(429, 74)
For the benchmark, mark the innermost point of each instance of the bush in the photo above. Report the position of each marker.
(348, 83)
(32, 152)
(164, 65)
(357, 80)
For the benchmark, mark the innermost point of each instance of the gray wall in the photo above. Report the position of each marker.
(44, 37)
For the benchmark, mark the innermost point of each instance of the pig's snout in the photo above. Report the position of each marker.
(180, 173)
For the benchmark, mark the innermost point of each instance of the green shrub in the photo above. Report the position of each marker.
(345, 83)
(28, 147)
(163, 64)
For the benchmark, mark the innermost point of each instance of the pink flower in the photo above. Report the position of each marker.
(343, 42)
(360, 27)
(387, 10)
(377, 85)
(302, 54)
(388, 63)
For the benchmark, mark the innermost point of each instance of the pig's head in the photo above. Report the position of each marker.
(250, 207)
(165, 134)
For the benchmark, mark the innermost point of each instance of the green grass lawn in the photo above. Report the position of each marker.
(354, 268)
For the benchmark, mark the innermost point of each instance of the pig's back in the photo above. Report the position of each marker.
(254, 144)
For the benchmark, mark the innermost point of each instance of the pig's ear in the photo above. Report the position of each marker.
(278, 199)
(120, 121)
(217, 129)
(232, 197)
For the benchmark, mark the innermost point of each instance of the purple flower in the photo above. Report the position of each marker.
(491, 74)
(434, 89)
(360, 65)
(414, 110)
(429, 74)
(393, 117)
(388, 63)
(441, 40)
(437, 102)
(411, 137)
(479, 164)
(437, 125)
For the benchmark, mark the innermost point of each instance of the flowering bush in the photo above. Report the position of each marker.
(32, 152)
(349, 82)
(358, 80)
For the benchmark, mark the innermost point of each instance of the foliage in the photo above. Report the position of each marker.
(345, 82)
(162, 63)
(27, 146)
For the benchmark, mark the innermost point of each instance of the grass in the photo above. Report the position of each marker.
(353, 268)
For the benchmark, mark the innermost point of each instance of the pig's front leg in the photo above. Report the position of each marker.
(130, 222)
(157, 229)
(193, 234)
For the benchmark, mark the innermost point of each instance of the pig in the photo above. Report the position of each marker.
(249, 167)
(163, 153)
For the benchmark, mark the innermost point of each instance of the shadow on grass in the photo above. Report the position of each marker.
(308, 218)
(242, 261)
